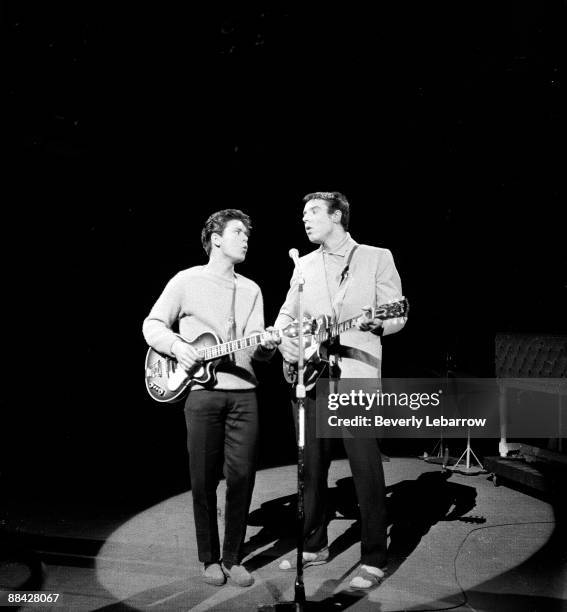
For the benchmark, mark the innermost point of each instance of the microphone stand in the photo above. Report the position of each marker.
(300, 396)
(299, 604)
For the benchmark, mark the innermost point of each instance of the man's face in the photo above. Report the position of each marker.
(317, 221)
(234, 241)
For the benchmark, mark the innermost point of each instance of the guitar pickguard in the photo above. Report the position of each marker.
(168, 382)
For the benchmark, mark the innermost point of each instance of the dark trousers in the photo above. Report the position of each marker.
(368, 476)
(221, 425)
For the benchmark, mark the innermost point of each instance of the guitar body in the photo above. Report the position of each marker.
(315, 359)
(168, 382)
(314, 364)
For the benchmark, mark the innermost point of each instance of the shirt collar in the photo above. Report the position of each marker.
(342, 248)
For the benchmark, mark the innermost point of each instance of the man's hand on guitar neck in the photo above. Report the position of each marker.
(271, 342)
(185, 354)
(367, 323)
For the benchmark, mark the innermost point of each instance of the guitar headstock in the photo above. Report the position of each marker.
(393, 310)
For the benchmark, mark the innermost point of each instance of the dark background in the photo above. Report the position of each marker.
(126, 129)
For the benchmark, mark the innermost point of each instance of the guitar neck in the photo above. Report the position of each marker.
(387, 311)
(336, 329)
(232, 346)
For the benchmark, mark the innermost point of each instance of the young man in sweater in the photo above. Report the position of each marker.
(222, 422)
(342, 280)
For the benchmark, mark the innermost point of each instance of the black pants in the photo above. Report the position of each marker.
(368, 476)
(221, 425)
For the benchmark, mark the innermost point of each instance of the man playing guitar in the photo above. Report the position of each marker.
(222, 418)
(343, 279)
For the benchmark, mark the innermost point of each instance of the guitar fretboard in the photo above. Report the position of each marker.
(388, 311)
(232, 346)
(336, 329)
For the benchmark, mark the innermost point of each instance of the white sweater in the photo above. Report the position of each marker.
(200, 301)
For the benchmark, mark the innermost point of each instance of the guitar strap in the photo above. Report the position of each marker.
(343, 284)
(231, 331)
(337, 305)
(344, 273)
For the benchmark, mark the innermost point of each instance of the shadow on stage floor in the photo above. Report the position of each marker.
(415, 506)
(410, 517)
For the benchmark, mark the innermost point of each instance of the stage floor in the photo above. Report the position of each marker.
(456, 542)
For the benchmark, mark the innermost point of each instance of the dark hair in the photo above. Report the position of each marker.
(335, 201)
(216, 223)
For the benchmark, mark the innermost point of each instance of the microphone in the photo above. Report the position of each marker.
(294, 254)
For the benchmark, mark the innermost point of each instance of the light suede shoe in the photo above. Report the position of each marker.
(238, 575)
(213, 574)
(367, 577)
(309, 559)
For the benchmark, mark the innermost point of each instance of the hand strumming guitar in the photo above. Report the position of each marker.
(289, 348)
(186, 355)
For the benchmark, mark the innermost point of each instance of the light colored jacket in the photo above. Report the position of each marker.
(372, 281)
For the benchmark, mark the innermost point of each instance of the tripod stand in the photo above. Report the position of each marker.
(467, 468)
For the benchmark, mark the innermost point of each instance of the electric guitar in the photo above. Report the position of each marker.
(168, 382)
(325, 332)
